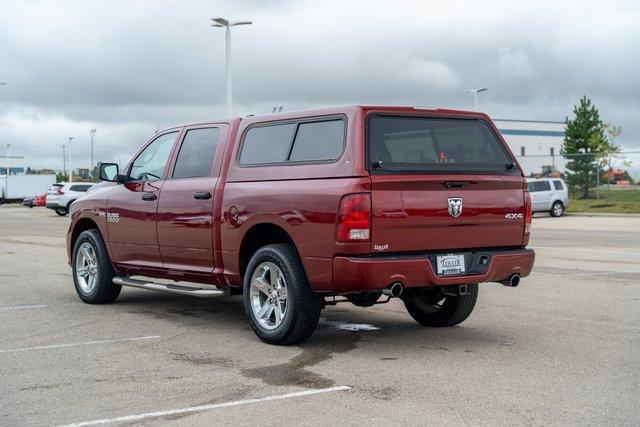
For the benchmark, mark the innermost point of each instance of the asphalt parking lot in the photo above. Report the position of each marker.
(562, 348)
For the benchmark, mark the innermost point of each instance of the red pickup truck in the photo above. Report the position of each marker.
(299, 210)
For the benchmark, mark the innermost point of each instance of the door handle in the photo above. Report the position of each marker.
(149, 196)
(202, 195)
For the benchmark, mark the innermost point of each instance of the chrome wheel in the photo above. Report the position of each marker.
(557, 209)
(86, 268)
(268, 295)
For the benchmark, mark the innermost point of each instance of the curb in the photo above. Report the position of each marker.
(603, 214)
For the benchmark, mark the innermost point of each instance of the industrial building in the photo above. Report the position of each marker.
(15, 164)
(536, 144)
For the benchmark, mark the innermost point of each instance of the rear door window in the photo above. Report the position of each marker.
(423, 144)
(197, 152)
(544, 186)
(536, 186)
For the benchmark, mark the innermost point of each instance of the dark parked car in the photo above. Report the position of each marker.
(39, 200)
(299, 210)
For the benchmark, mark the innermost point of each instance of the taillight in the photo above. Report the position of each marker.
(528, 213)
(59, 192)
(354, 218)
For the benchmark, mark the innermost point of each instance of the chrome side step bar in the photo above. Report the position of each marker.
(170, 288)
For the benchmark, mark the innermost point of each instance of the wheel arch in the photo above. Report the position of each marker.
(259, 235)
(81, 225)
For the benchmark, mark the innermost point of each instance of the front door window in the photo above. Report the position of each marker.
(150, 164)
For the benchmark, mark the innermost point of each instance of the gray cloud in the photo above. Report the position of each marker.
(127, 67)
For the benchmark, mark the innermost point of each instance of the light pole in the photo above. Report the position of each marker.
(64, 160)
(92, 132)
(6, 187)
(8, 164)
(221, 22)
(475, 93)
(70, 164)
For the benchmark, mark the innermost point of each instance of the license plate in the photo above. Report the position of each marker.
(450, 265)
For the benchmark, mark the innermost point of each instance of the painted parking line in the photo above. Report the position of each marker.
(600, 273)
(20, 307)
(593, 251)
(76, 344)
(193, 409)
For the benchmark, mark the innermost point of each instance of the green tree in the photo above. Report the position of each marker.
(62, 177)
(584, 140)
(627, 177)
(612, 155)
(94, 175)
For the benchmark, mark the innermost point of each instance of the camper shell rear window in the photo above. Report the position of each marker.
(414, 144)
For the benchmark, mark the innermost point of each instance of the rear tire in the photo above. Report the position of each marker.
(557, 210)
(281, 306)
(433, 308)
(61, 211)
(92, 270)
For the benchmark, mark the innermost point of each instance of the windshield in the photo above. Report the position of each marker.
(422, 144)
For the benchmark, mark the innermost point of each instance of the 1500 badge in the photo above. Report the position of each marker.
(113, 217)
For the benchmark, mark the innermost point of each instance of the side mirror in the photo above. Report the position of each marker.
(109, 172)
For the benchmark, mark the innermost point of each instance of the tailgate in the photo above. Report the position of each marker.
(433, 213)
(440, 183)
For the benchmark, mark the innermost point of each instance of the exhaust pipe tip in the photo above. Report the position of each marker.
(512, 281)
(393, 290)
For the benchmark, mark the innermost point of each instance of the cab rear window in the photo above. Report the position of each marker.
(422, 144)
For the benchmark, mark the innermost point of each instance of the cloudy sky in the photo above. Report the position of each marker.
(127, 67)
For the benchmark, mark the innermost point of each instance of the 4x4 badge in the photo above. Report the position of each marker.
(455, 206)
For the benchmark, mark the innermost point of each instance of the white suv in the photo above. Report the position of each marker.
(549, 195)
(61, 195)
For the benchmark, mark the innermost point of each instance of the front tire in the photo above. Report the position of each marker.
(92, 270)
(61, 211)
(433, 308)
(281, 307)
(557, 210)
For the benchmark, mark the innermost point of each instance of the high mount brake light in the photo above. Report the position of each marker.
(354, 218)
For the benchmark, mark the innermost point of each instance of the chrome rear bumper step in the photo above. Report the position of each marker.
(170, 288)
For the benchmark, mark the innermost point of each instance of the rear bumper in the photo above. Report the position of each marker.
(375, 273)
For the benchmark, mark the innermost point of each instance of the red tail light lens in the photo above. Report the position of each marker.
(59, 192)
(528, 213)
(354, 218)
